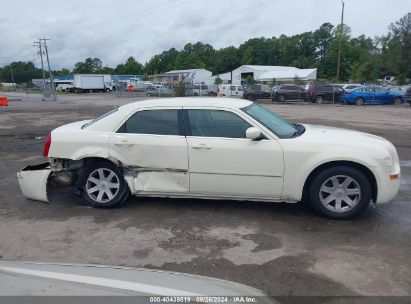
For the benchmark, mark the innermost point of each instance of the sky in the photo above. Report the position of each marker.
(115, 30)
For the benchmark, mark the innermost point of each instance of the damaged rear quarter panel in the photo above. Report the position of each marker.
(71, 145)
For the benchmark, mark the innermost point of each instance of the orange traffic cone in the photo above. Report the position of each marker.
(4, 101)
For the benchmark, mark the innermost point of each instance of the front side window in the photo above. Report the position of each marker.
(276, 124)
(216, 123)
(160, 122)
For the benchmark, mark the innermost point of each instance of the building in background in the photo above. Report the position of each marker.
(267, 73)
(190, 76)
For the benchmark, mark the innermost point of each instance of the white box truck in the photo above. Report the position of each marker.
(92, 83)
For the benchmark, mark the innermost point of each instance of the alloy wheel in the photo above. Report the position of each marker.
(102, 185)
(340, 193)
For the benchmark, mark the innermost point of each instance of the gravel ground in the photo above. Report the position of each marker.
(282, 249)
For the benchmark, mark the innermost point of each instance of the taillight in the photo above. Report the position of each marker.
(47, 144)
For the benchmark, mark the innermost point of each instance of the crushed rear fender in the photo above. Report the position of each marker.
(33, 181)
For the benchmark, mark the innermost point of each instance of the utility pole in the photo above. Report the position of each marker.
(340, 41)
(48, 64)
(38, 44)
(11, 72)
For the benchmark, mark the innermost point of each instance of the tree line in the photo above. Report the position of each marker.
(363, 59)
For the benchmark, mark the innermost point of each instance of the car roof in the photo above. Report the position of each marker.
(189, 101)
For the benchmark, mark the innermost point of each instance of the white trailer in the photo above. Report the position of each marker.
(92, 83)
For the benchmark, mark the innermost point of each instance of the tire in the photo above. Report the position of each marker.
(359, 101)
(103, 195)
(148, 94)
(108, 90)
(396, 101)
(319, 99)
(281, 98)
(331, 200)
(251, 97)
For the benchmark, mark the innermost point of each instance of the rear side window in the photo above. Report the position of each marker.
(216, 123)
(160, 122)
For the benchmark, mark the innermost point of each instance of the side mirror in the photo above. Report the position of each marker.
(253, 133)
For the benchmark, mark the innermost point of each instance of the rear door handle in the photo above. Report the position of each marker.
(124, 143)
(201, 147)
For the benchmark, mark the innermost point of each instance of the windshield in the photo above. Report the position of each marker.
(276, 124)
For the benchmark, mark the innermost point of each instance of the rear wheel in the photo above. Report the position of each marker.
(251, 97)
(319, 99)
(359, 101)
(103, 185)
(396, 101)
(340, 192)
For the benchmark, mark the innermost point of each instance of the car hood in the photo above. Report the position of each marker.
(345, 138)
(29, 278)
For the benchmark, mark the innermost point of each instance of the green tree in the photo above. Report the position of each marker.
(218, 80)
(130, 67)
(89, 66)
(250, 80)
(400, 47)
(23, 72)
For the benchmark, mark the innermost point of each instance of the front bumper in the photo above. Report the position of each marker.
(33, 181)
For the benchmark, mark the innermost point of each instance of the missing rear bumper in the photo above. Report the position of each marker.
(33, 181)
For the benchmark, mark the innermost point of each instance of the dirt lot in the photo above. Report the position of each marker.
(281, 249)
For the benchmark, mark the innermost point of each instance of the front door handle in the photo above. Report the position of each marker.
(201, 147)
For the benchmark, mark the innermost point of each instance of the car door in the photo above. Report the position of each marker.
(382, 96)
(222, 162)
(302, 94)
(152, 147)
(295, 92)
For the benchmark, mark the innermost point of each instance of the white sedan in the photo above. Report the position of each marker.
(215, 148)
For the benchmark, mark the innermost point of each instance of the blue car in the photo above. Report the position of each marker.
(370, 95)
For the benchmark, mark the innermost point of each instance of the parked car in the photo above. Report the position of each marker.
(321, 93)
(350, 86)
(200, 90)
(256, 91)
(215, 148)
(285, 92)
(231, 90)
(159, 91)
(371, 95)
(407, 95)
(65, 87)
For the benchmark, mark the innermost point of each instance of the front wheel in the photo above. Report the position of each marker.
(340, 192)
(103, 185)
